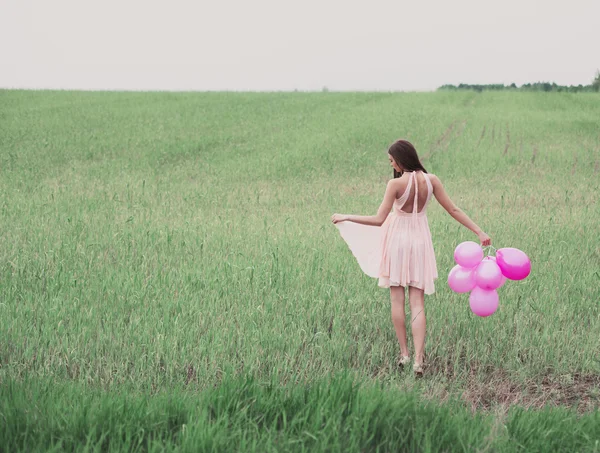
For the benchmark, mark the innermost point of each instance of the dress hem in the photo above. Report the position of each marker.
(385, 282)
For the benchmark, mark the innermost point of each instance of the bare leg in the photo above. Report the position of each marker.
(416, 297)
(399, 317)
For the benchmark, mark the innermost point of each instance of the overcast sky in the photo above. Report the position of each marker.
(285, 45)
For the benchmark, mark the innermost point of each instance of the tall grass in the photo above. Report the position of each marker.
(244, 414)
(160, 241)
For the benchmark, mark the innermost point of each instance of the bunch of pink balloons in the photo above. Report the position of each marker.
(483, 276)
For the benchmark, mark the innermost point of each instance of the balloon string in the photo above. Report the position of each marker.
(489, 249)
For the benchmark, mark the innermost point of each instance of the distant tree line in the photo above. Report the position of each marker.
(538, 86)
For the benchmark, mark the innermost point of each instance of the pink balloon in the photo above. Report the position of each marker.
(461, 280)
(514, 263)
(488, 275)
(503, 280)
(468, 254)
(483, 302)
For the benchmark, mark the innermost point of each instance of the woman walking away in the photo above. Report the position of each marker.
(396, 246)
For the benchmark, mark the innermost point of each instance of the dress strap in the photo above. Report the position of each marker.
(429, 187)
(415, 202)
(406, 193)
(408, 186)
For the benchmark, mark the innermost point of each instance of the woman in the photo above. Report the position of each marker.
(396, 247)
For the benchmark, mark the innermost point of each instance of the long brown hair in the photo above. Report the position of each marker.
(406, 157)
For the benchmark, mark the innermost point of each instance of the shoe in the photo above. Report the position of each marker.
(418, 369)
(404, 359)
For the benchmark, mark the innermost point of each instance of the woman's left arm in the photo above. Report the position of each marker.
(382, 212)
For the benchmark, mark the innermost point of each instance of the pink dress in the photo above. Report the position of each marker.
(399, 252)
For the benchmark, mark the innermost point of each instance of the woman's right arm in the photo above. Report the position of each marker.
(442, 197)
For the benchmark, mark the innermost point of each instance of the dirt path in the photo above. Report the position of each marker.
(496, 387)
(507, 140)
(481, 137)
(443, 141)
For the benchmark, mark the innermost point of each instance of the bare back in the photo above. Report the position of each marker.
(411, 184)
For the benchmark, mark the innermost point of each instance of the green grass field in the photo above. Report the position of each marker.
(170, 278)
